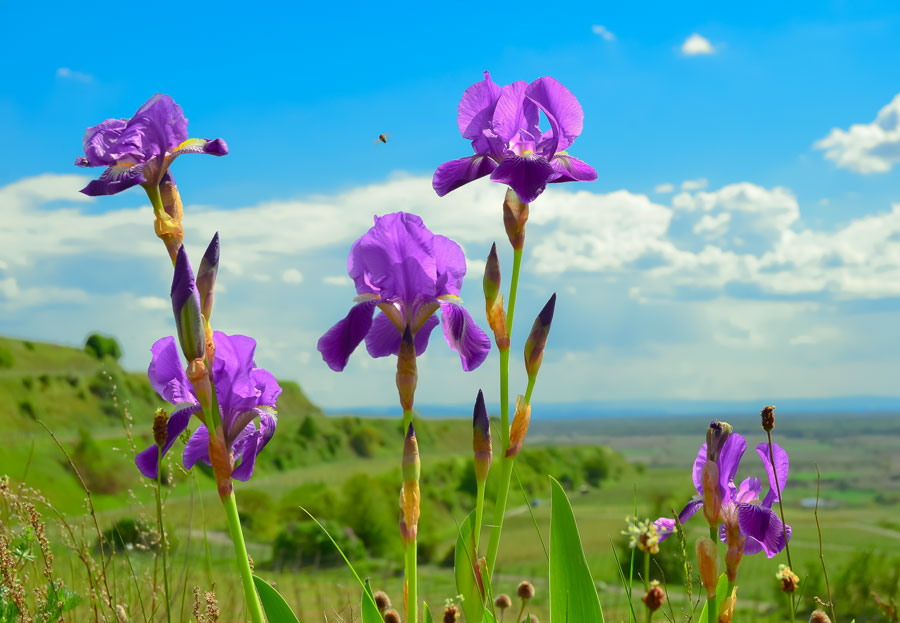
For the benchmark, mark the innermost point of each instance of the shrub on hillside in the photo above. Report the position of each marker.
(306, 545)
(369, 508)
(316, 497)
(101, 346)
(100, 470)
(132, 534)
(6, 358)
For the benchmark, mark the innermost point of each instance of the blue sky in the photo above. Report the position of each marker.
(770, 267)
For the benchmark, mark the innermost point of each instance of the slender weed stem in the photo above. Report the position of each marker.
(162, 533)
(787, 549)
(821, 551)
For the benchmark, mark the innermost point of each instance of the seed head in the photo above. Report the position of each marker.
(655, 597)
(789, 579)
(525, 590)
(160, 432)
(451, 613)
(391, 616)
(768, 418)
(502, 601)
(382, 601)
(819, 616)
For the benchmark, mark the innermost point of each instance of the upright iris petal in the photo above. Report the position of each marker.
(245, 393)
(139, 150)
(503, 124)
(409, 273)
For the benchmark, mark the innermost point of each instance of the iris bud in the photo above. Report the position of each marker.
(537, 339)
(716, 436)
(186, 306)
(712, 495)
(515, 215)
(707, 561)
(481, 439)
(491, 281)
(206, 276)
(519, 427)
(409, 492)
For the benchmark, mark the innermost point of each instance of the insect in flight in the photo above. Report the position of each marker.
(382, 138)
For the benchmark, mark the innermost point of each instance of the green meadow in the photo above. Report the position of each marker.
(343, 470)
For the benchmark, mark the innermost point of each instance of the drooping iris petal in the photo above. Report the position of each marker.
(394, 259)
(751, 546)
(764, 525)
(450, 264)
(782, 467)
(528, 176)
(570, 169)
(246, 448)
(384, 338)
(464, 336)
(514, 112)
(666, 526)
(166, 373)
(115, 179)
(197, 448)
(214, 147)
(343, 338)
(147, 461)
(455, 173)
(476, 107)
(558, 102)
(697, 469)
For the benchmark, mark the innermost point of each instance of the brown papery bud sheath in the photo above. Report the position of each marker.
(726, 608)
(407, 373)
(519, 427)
(708, 563)
(409, 493)
(515, 215)
(712, 495)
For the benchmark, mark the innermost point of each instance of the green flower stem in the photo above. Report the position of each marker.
(791, 604)
(712, 613)
(647, 581)
(162, 534)
(479, 514)
(155, 198)
(412, 605)
(243, 563)
(407, 420)
(513, 288)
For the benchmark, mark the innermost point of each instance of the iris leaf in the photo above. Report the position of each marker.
(464, 566)
(573, 596)
(721, 593)
(276, 608)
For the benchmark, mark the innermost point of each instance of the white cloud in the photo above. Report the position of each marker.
(292, 275)
(867, 147)
(664, 189)
(697, 44)
(337, 280)
(602, 31)
(153, 302)
(13, 296)
(77, 76)
(698, 184)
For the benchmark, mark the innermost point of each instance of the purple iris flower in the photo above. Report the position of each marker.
(503, 125)
(741, 506)
(139, 150)
(408, 273)
(244, 393)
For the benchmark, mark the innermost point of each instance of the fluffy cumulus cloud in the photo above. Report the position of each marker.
(716, 276)
(696, 45)
(867, 147)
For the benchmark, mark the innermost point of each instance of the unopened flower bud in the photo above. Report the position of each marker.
(502, 601)
(451, 614)
(160, 428)
(391, 616)
(655, 597)
(481, 439)
(409, 492)
(382, 601)
(733, 555)
(519, 427)
(206, 276)
(407, 373)
(819, 616)
(716, 436)
(726, 608)
(789, 580)
(491, 281)
(708, 563)
(525, 590)
(768, 418)
(515, 215)
(537, 339)
(712, 494)
(186, 306)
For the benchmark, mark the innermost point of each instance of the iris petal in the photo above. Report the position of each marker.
(455, 173)
(764, 525)
(464, 336)
(197, 448)
(570, 169)
(514, 112)
(782, 466)
(343, 338)
(115, 179)
(476, 107)
(528, 176)
(166, 373)
(557, 101)
(147, 461)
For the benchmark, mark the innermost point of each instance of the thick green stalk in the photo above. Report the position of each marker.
(240, 555)
(412, 606)
(155, 198)
(162, 534)
(712, 613)
(479, 514)
(513, 288)
(407, 420)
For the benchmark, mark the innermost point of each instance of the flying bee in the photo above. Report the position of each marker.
(382, 138)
